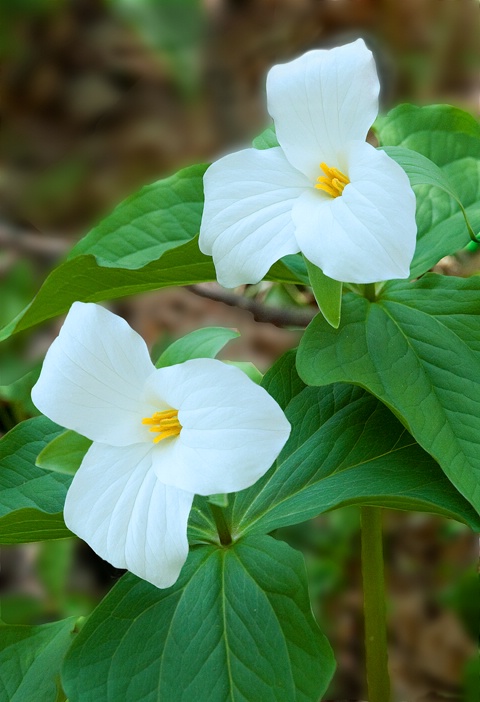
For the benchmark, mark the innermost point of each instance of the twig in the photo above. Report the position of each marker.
(279, 316)
(50, 247)
(25, 242)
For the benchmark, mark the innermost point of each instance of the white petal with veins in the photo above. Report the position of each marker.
(129, 518)
(247, 223)
(232, 430)
(93, 375)
(369, 233)
(320, 102)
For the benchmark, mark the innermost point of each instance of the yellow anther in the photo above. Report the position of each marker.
(165, 424)
(333, 182)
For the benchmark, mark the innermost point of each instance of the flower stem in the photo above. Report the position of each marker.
(374, 605)
(369, 291)
(221, 524)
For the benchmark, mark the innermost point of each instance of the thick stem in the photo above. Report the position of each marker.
(221, 524)
(374, 606)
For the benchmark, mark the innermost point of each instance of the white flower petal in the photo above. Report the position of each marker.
(128, 517)
(247, 224)
(321, 101)
(92, 377)
(368, 233)
(232, 430)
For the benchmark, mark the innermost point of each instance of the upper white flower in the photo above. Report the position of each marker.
(160, 436)
(324, 191)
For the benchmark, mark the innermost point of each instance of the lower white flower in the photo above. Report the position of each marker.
(159, 437)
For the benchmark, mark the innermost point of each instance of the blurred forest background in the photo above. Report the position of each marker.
(99, 97)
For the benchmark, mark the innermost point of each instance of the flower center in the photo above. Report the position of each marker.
(333, 182)
(165, 424)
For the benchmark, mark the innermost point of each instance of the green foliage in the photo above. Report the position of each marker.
(64, 454)
(415, 348)
(31, 500)
(157, 218)
(328, 294)
(422, 171)
(83, 279)
(451, 139)
(202, 343)
(267, 139)
(31, 658)
(237, 625)
(345, 448)
(18, 393)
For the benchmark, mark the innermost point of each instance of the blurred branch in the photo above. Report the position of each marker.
(30, 244)
(279, 316)
(50, 247)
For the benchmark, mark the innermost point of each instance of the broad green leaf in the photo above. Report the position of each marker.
(267, 139)
(415, 348)
(201, 524)
(418, 127)
(345, 448)
(85, 280)
(282, 380)
(201, 343)
(236, 627)
(328, 293)
(31, 658)
(450, 138)
(64, 454)
(157, 218)
(31, 499)
(422, 171)
(19, 392)
(296, 265)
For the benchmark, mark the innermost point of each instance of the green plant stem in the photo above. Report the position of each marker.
(221, 524)
(369, 291)
(374, 605)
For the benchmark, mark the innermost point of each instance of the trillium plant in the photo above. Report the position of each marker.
(181, 469)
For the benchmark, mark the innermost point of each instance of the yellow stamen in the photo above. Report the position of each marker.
(165, 424)
(333, 182)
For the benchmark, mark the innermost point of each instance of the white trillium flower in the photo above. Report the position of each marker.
(324, 191)
(159, 436)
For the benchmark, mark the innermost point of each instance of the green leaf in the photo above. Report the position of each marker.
(19, 392)
(296, 264)
(451, 139)
(282, 381)
(85, 280)
(31, 499)
(220, 499)
(201, 343)
(201, 524)
(328, 293)
(418, 128)
(31, 658)
(64, 454)
(267, 139)
(422, 171)
(345, 448)
(417, 349)
(236, 626)
(157, 218)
